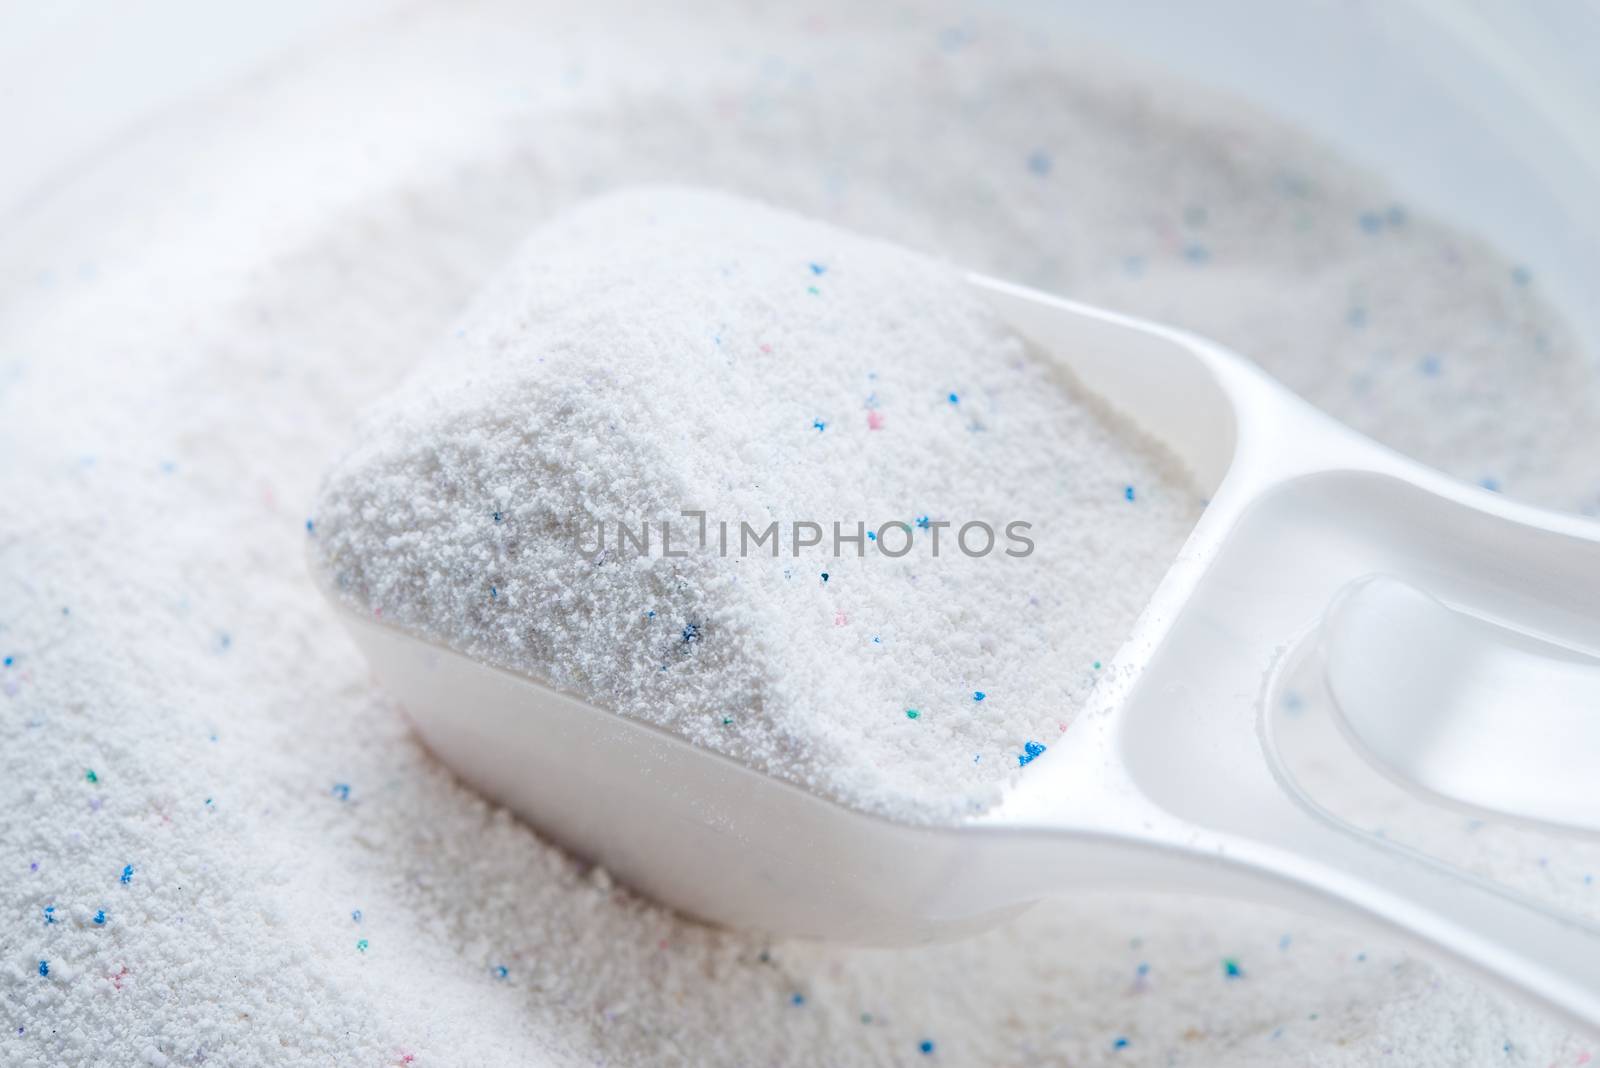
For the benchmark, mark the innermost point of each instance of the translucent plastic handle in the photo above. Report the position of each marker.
(1176, 757)
(1549, 958)
(1464, 709)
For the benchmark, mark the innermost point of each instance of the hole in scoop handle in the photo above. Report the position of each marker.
(1464, 710)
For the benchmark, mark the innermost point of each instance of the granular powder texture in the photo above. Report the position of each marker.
(188, 326)
(664, 352)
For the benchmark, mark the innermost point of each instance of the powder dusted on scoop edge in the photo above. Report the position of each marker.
(657, 352)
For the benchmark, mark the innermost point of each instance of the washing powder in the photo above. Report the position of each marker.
(190, 322)
(793, 494)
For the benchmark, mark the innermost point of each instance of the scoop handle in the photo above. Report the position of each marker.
(1463, 710)
(1300, 506)
(1186, 765)
(1296, 858)
(1460, 676)
(1547, 957)
(1455, 669)
(1299, 861)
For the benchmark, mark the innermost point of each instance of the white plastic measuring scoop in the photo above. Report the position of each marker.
(1455, 706)
(1167, 780)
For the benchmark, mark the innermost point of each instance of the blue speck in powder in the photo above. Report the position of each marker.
(44, 969)
(311, 526)
(1127, 492)
(127, 874)
(926, 1045)
(501, 971)
(797, 999)
(1029, 751)
(818, 268)
(341, 790)
(1293, 185)
(1119, 1043)
(355, 915)
(691, 632)
(100, 918)
(952, 38)
(819, 424)
(49, 914)
(1370, 221)
(824, 576)
(954, 399)
(922, 521)
(978, 695)
(1490, 484)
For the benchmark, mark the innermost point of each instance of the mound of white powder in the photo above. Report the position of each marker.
(187, 326)
(788, 384)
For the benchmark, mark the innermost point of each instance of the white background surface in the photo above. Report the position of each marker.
(1487, 112)
(75, 74)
